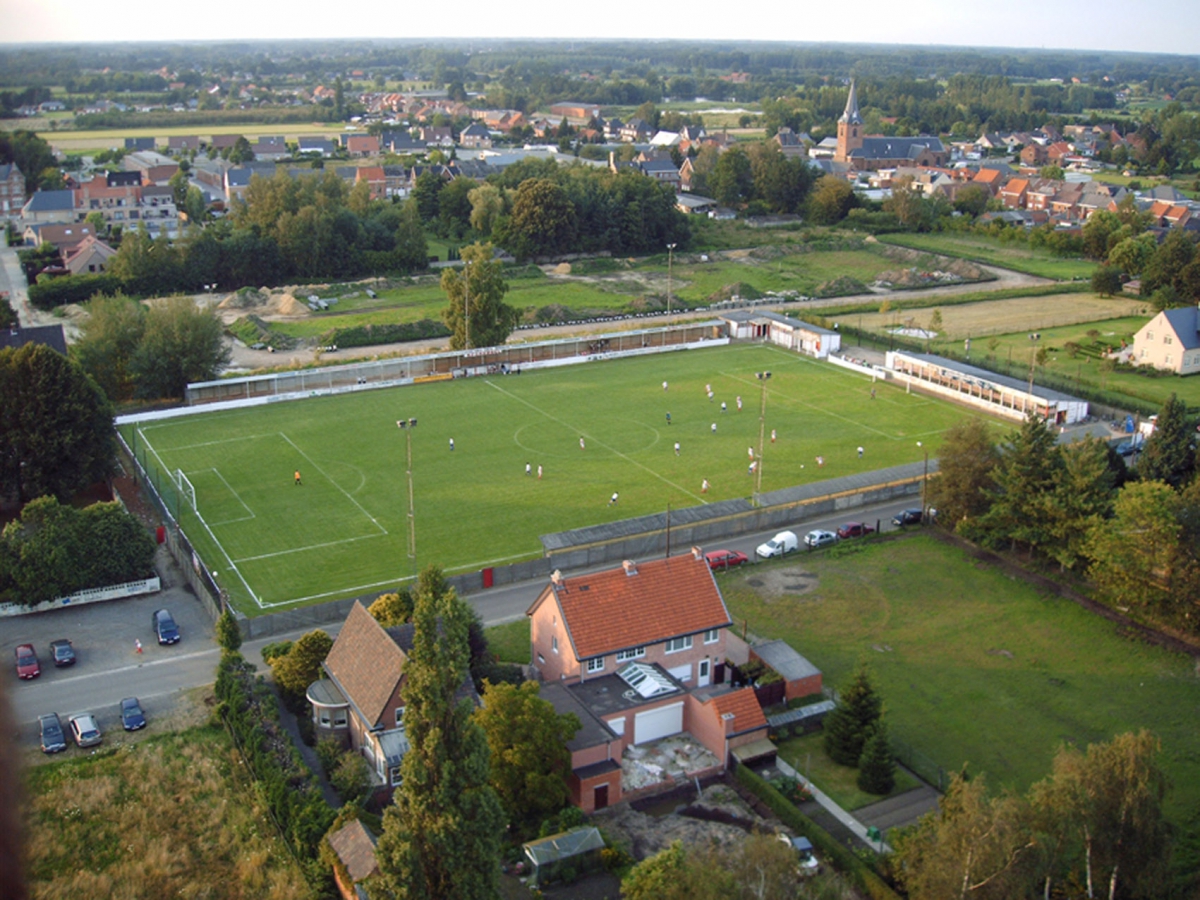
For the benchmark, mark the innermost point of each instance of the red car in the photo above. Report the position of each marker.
(27, 662)
(723, 559)
(854, 529)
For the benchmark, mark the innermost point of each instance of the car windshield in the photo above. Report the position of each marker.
(25, 655)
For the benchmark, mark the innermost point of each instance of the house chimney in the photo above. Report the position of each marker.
(556, 578)
(727, 721)
(697, 554)
(629, 566)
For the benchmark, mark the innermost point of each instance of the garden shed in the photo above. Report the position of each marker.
(564, 855)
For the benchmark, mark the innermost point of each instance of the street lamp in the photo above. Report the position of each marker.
(762, 377)
(670, 259)
(466, 307)
(924, 485)
(407, 426)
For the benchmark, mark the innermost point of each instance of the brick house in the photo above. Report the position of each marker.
(90, 257)
(638, 654)
(362, 145)
(12, 191)
(476, 137)
(376, 180)
(360, 701)
(1015, 193)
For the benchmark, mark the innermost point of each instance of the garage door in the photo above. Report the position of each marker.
(658, 723)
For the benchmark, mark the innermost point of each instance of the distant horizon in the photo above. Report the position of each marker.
(1162, 27)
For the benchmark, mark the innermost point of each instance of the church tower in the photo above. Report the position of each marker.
(849, 129)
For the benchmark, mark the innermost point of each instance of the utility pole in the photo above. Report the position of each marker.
(407, 426)
(467, 306)
(670, 259)
(762, 377)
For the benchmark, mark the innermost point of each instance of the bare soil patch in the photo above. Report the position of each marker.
(775, 582)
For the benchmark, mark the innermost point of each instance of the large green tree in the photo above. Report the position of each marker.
(1083, 491)
(731, 182)
(830, 201)
(677, 874)
(1133, 552)
(300, 666)
(441, 836)
(477, 289)
(543, 220)
(529, 757)
(1024, 477)
(1170, 451)
(877, 765)
(853, 721)
(966, 463)
(110, 337)
(180, 343)
(56, 425)
(30, 153)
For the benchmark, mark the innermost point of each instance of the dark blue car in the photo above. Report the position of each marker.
(164, 627)
(132, 717)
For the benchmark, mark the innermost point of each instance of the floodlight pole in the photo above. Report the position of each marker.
(467, 306)
(924, 486)
(407, 426)
(762, 430)
(670, 259)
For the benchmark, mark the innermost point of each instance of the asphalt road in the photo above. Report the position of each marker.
(110, 668)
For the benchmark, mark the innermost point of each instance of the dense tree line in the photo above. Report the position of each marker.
(1169, 270)
(1093, 828)
(32, 156)
(1134, 533)
(53, 550)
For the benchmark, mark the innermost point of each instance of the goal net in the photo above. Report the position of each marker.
(186, 489)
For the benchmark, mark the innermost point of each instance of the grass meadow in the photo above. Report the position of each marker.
(173, 816)
(981, 248)
(343, 532)
(806, 753)
(976, 667)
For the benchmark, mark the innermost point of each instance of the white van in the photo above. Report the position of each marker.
(784, 542)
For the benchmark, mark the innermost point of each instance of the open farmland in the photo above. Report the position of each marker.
(343, 532)
(1006, 317)
(173, 816)
(975, 666)
(984, 249)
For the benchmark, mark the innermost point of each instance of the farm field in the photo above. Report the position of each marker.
(976, 667)
(1013, 317)
(991, 251)
(100, 139)
(113, 824)
(343, 532)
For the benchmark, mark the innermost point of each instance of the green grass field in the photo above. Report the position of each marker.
(976, 667)
(988, 250)
(344, 531)
(807, 756)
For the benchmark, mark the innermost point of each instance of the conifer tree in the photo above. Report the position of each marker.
(848, 727)
(877, 766)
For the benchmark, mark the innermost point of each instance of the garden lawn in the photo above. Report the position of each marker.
(343, 532)
(991, 251)
(807, 756)
(510, 642)
(976, 668)
(172, 816)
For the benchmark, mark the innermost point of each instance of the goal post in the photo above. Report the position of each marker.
(186, 489)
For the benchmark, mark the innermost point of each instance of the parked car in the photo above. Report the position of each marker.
(132, 717)
(164, 627)
(817, 539)
(723, 559)
(854, 529)
(62, 653)
(85, 730)
(807, 862)
(907, 517)
(1128, 448)
(27, 662)
(53, 739)
(783, 543)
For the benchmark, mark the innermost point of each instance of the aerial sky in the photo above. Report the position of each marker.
(1158, 26)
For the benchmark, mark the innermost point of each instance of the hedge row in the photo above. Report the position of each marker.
(366, 335)
(855, 869)
(71, 289)
(289, 788)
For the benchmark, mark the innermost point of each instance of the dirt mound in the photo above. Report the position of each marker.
(246, 298)
(562, 269)
(287, 305)
(741, 290)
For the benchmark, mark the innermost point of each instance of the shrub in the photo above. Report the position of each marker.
(229, 635)
(71, 289)
(351, 778)
(329, 751)
(366, 335)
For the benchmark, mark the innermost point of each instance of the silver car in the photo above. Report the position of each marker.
(85, 730)
(816, 539)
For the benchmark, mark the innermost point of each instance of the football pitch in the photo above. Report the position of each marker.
(591, 430)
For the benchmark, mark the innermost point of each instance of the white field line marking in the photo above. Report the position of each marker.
(236, 495)
(601, 443)
(365, 537)
(382, 530)
(248, 437)
(213, 538)
(356, 589)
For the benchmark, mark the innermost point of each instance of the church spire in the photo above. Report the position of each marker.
(851, 115)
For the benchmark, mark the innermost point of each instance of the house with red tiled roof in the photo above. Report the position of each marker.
(638, 654)
(376, 179)
(362, 145)
(360, 699)
(1015, 192)
(991, 179)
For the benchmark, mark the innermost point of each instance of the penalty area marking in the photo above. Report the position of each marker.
(308, 459)
(599, 442)
(236, 496)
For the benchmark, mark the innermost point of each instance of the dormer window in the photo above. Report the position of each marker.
(400, 717)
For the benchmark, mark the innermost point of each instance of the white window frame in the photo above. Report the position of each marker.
(679, 644)
(394, 777)
(341, 719)
(541, 659)
(712, 635)
(554, 643)
(632, 653)
(595, 664)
